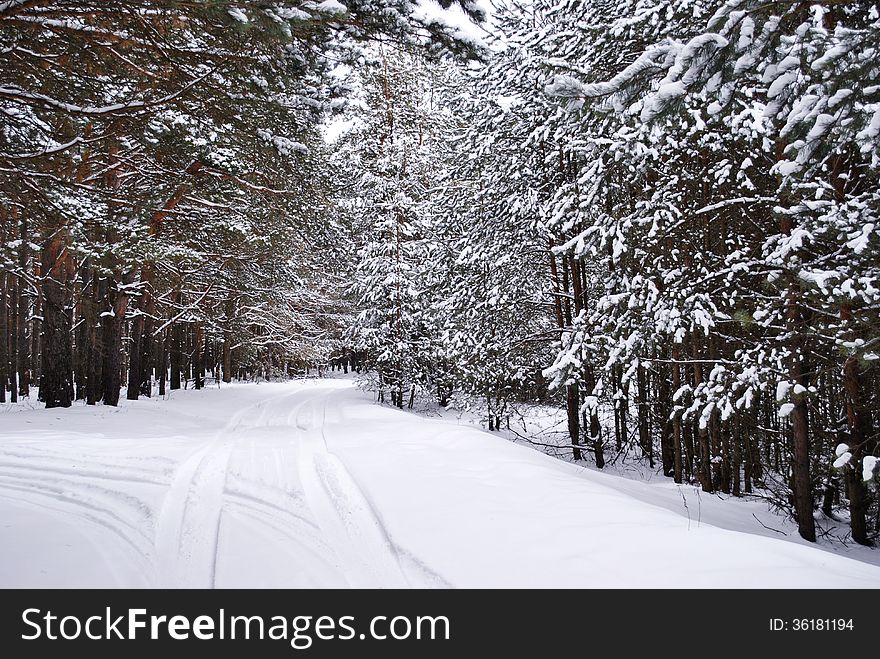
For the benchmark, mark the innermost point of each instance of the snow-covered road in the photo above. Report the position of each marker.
(308, 484)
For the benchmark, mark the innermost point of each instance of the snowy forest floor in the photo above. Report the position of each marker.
(543, 428)
(310, 484)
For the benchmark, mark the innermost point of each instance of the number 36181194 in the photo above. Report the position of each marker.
(811, 624)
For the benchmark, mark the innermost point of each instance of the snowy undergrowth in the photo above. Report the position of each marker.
(543, 428)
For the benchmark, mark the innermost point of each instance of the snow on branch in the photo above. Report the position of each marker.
(567, 87)
(680, 60)
(33, 98)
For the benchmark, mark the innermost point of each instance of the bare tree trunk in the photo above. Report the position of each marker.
(619, 411)
(94, 339)
(748, 453)
(644, 435)
(36, 326)
(176, 355)
(198, 355)
(81, 352)
(135, 353)
(595, 428)
(56, 387)
(803, 498)
(4, 328)
(113, 329)
(662, 410)
(557, 288)
(676, 419)
(720, 437)
(148, 342)
(572, 409)
(705, 473)
(859, 434)
(175, 352)
(803, 495)
(736, 436)
(22, 351)
(227, 341)
(13, 338)
(162, 361)
(802, 487)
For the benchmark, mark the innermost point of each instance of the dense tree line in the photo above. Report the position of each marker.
(164, 197)
(668, 210)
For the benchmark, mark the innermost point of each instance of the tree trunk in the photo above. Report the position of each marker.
(36, 326)
(81, 353)
(747, 455)
(176, 354)
(595, 428)
(803, 494)
(736, 436)
(13, 338)
(135, 353)
(801, 483)
(113, 329)
(161, 362)
(620, 434)
(719, 482)
(676, 418)
(662, 412)
(227, 341)
(572, 409)
(705, 472)
(4, 329)
(644, 435)
(56, 387)
(94, 339)
(198, 355)
(22, 351)
(149, 348)
(859, 434)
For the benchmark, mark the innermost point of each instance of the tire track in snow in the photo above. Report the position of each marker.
(188, 531)
(311, 558)
(327, 520)
(59, 497)
(92, 493)
(100, 472)
(302, 535)
(111, 557)
(343, 512)
(30, 453)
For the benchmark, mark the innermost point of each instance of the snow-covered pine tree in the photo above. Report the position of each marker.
(499, 308)
(155, 173)
(392, 158)
(746, 131)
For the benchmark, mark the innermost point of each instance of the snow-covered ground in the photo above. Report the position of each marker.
(544, 428)
(310, 484)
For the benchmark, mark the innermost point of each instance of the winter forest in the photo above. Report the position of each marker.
(658, 217)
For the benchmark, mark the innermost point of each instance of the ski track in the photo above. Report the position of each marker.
(92, 495)
(345, 515)
(179, 546)
(331, 523)
(188, 531)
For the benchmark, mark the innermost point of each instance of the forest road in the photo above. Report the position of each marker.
(311, 484)
(259, 501)
(276, 454)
